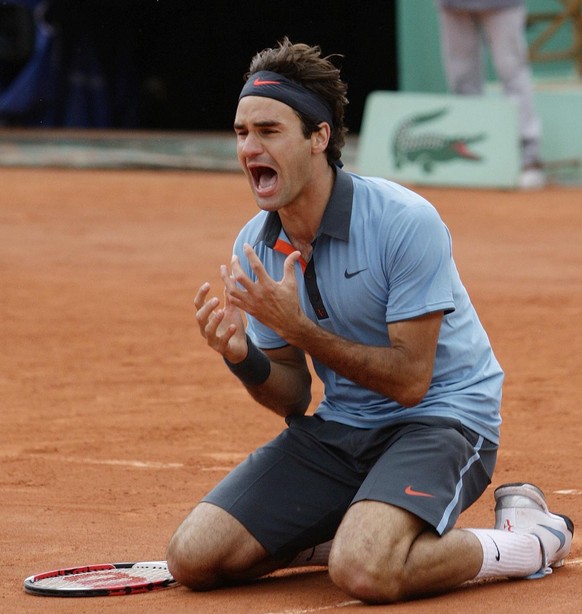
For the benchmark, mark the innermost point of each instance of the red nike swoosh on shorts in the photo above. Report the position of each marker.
(258, 81)
(416, 493)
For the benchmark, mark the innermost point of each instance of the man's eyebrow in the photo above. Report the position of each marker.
(267, 123)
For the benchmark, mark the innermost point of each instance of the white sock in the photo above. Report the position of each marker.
(316, 556)
(505, 554)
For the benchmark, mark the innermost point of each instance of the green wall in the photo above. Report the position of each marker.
(420, 66)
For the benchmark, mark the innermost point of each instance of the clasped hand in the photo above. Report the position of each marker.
(273, 303)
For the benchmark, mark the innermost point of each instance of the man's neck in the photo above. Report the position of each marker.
(302, 219)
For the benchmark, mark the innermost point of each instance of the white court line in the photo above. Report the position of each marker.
(121, 463)
(571, 491)
(343, 604)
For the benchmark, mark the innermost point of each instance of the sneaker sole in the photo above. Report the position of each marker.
(570, 527)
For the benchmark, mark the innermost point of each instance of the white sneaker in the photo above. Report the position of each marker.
(522, 508)
(532, 177)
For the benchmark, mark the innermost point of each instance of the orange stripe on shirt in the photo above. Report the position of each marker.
(286, 248)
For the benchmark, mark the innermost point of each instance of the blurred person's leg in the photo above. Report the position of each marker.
(462, 51)
(505, 32)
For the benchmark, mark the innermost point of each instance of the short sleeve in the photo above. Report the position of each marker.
(419, 265)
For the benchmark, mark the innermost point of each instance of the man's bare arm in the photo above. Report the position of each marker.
(402, 370)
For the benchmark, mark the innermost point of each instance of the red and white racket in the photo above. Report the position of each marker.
(103, 580)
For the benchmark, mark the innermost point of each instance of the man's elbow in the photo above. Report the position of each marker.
(409, 400)
(295, 406)
(299, 406)
(412, 394)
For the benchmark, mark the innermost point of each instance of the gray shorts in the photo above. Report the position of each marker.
(293, 492)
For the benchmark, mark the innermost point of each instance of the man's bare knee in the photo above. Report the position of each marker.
(185, 569)
(189, 557)
(211, 548)
(368, 559)
(364, 578)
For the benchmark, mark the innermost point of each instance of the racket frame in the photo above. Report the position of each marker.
(31, 586)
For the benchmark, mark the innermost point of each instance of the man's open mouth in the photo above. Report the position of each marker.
(264, 177)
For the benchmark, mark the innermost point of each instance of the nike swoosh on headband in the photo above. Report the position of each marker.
(258, 82)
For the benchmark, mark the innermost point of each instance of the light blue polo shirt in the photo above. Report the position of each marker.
(382, 254)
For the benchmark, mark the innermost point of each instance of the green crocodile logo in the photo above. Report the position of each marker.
(426, 149)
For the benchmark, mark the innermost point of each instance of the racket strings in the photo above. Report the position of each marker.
(107, 578)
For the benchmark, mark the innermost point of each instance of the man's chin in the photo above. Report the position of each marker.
(267, 203)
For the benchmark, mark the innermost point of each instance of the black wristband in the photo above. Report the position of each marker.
(255, 369)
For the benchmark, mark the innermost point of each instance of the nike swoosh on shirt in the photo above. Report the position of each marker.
(416, 493)
(350, 275)
(258, 82)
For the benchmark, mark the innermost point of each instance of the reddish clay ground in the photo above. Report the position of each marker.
(116, 418)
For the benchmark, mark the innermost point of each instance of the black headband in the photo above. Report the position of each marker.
(273, 85)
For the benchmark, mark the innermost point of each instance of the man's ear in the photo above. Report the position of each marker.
(320, 139)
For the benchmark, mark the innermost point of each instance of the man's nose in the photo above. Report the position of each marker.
(251, 145)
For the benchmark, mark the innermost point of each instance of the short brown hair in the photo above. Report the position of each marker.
(305, 65)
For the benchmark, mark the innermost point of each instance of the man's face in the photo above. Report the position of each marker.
(272, 151)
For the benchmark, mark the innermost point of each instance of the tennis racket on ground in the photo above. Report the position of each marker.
(107, 579)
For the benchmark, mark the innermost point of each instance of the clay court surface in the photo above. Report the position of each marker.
(115, 417)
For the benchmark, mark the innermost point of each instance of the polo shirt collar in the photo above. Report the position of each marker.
(336, 217)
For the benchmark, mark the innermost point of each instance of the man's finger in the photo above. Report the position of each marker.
(289, 266)
(256, 264)
(201, 295)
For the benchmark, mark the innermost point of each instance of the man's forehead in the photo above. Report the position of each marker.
(259, 109)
